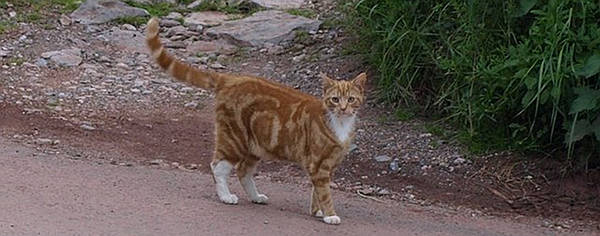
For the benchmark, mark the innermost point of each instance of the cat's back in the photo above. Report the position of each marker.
(249, 89)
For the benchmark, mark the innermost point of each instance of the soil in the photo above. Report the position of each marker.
(161, 129)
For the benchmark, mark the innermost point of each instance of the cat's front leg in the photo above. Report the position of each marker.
(323, 194)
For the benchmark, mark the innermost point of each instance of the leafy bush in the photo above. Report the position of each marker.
(518, 75)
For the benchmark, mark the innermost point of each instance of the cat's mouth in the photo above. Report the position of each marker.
(345, 113)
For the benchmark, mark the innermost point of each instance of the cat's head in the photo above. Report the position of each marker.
(344, 98)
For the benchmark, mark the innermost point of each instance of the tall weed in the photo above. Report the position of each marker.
(519, 75)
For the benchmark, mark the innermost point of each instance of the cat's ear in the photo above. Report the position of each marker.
(327, 82)
(360, 80)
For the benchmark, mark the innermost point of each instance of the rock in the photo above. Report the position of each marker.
(64, 20)
(383, 158)
(298, 58)
(191, 104)
(197, 28)
(151, 2)
(125, 39)
(128, 27)
(43, 141)
(195, 4)
(66, 57)
(208, 47)
(122, 66)
(12, 14)
(174, 16)
(177, 30)
(92, 29)
(87, 127)
(204, 59)
(4, 53)
(205, 18)
(264, 27)
(394, 166)
(217, 65)
(169, 23)
(175, 44)
(102, 11)
(279, 4)
(156, 162)
(459, 161)
(383, 191)
(41, 62)
(177, 38)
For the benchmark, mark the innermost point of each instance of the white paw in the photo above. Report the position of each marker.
(332, 220)
(319, 213)
(229, 199)
(261, 199)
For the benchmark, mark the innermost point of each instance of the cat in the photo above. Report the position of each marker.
(260, 119)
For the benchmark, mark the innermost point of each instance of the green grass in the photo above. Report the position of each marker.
(404, 114)
(308, 13)
(6, 26)
(16, 61)
(160, 9)
(35, 11)
(133, 20)
(222, 6)
(516, 75)
(301, 36)
(332, 22)
(163, 9)
(68, 6)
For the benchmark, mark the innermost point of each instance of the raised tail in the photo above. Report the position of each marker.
(179, 70)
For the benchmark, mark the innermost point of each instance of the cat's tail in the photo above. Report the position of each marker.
(179, 70)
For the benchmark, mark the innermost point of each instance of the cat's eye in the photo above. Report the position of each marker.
(335, 99)
(351, 99)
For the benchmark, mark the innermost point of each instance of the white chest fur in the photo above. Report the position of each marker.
(342, 127)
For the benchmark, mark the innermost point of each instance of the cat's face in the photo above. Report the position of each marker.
(343, 98)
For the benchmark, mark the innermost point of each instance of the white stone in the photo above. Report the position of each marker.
(205, 18)
(271, 26)
(102, 11)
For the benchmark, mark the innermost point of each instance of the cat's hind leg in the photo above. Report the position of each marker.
(221, 170)
(315, 208)
(245, 171)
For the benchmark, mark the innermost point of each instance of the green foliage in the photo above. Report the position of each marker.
(163, 9)
(158, 9)
(243, 8)
(35, 11)
(133, 20)
(404, 114)
(6, 26)
(520, 74)
(308, 13)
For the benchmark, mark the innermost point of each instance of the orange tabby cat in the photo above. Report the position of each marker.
(259, 119)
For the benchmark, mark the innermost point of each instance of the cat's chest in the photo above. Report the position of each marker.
(342, 127)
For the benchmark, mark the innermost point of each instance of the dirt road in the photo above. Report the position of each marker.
(43, 194)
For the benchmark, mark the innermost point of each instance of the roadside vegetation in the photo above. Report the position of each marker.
(163, 9)
(519, 75)
(32, 11)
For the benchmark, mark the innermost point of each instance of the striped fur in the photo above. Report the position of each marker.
(258, 119)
